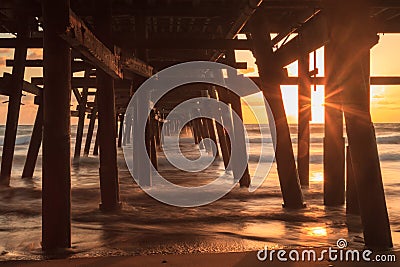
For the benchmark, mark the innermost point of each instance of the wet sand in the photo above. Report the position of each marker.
(221, 259)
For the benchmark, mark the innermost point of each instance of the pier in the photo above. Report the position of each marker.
(117, 45)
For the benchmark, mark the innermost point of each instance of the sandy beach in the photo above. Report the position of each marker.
(196, 260)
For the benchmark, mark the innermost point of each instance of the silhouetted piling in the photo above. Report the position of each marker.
(303, 138)
(220, 131)
(271, 76)
(109, 184)
(14, 103)
(92, 122)
(352, 205)
(56, 185)
(36, 141)
(351, 50)
(121, 129)
(81, 119)
(334, 144)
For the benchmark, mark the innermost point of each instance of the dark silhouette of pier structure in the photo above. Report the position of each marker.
(120, 43)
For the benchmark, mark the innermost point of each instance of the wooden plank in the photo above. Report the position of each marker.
(80, 37)
(376, 80)
(162, 43)
(38, 63)
(80, 82)
(26, 87)
(30, 42)
(312, 35)
(385, 80)
(137, 66)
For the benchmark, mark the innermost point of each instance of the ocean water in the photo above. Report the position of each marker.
(240, 221)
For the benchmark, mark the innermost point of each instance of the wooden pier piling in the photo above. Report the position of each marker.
(81, 120)
(36, 141)
(334, 143)
(271, 76)
(109, 183)
(222, 137)
(121, 129)
(239, 142)
(351, 50)
(14, 103)
(352, 205)
(92, 122)
(304, 110)
(56, 185)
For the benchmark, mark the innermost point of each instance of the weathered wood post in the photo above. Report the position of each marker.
(92, 122)
(121, 129)
(151, 132)
(109, 184)
(223, 96)
(271, 76)
(56, 184)
(352, 36)
(239, 138)
(96, 144)
(126, 139)
(81, 120)
(303, 140)
(334, 143)
(194, 133)
(210, 127)
(223, 143)
(205, 133)
(14, 103)
(36, 140)
(352, 205)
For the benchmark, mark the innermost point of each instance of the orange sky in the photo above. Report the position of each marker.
(385, 100)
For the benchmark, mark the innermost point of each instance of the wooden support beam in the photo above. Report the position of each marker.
(377, 80)
(239, 151)
(350, 54)
(96, 146)
(137, 66)
(270, 75)
(92, 122)
(121, 129)
(6, 83)
(56, 170)
(77, 95)
(30, 42)
(81, 121)
(304, 111)
(312, 36)
(109, 183)
(246, 12)
(81, 82)
(34, 144)
(16, 83)
(352, 205)
(126, 139)
(224, 97)
(152, 136)
(127, 42)
(334, 142)
(77, 66)
(224, 141)
(80, 37)
(210, 126)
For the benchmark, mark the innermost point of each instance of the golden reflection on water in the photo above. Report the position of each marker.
(317, 177)
(316, 231)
